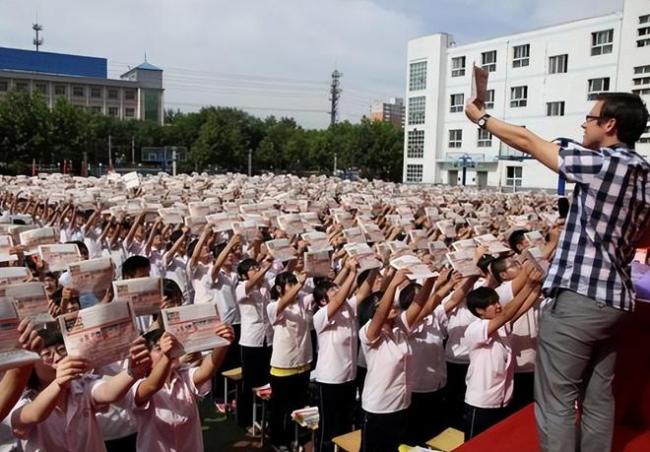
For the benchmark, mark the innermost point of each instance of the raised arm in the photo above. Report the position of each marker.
(159, 373)
(365, 289)
(194, 260)
(460, 293)
(155, 230)
(258, 277)
(176, 247)
(213, 361)
(413, 311)
(385, 305)
(344, 290)
(291, 294)
(221, 258)
(134, 228)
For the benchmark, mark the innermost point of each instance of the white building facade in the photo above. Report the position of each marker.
(544, 79)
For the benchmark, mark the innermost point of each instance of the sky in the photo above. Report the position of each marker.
(274, 57)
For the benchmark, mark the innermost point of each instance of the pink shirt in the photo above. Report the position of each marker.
(74, 430)
(170, 421)
(491, 367)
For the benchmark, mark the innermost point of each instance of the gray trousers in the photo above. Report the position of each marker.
(576, 355)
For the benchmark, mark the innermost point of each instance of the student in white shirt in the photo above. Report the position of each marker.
(290, 316)
(165, 402)
(387, 389)
(336, 327)
(57, 413)
(174, 262)
(256, 339)
(490, 373)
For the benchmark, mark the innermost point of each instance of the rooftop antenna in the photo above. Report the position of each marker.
(38, 41)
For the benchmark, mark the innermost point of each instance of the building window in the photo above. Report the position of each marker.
(641, 81)
(484, 139)
(644, 19)
(489, 99)
(489, 60)
(78, 91)
(555, 108)
(129, 112)
(22, 86)
(96, 109)
(457, 102)
(418, 76)
(644, 31)
(59, 90)
(4, 86)
(41, 87)
(597, 86)
(416, 110)
(95, 92)
(113, 93)
(558, 64)
(455, 138)
(642, 69)
(602, 42)
(113, 112)
(415, 144)
(458, 66)
(513, 176)
(129, 94)
(641, 92)
(521, 55)
(643, 42)
(518, 96)
(414, 173)
(645, 139)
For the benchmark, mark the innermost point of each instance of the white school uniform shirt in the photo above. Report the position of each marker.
(255, 325)
(202, 292)
(170, 420)
(491, 367)
(75, 430)
(337, 343)
(291, 334)
(524, 331)
(387, 388)
(458, 321)
(71, 234)
(117, 421)
(225, 297)
(429, 366)
(176, 270)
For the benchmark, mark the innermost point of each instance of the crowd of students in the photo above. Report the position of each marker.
(398, 357)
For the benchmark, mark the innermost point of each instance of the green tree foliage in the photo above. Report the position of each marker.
(218, 139)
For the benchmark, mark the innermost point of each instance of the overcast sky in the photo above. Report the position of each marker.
(274, 56)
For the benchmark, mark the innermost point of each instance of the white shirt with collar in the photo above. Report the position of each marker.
(429, 366)
(491, 368)
(225, 297)
(75, 430)
(255, 325)
(170, 420)
(291, 334)
(388, 384)
(337, 343)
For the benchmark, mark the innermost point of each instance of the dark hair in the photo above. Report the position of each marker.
(481, 298)
(407, 295)
(18, 221)
(152, 337)
(281, 280)
(516, 237)
(133, 264)
(191, 246)
(171, 289)
(630, 113)
(320, 291)
(498, 266)
(56, 296)
(83, 249)
(51, 275)
(218, 248)
(244, 266)
(485, 261)
(173, 238)
(363, 276)
(366, 309)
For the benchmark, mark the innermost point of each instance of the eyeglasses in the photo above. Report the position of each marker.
(592, 118)
(48, 353)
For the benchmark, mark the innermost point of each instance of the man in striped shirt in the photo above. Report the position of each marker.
(589, 278)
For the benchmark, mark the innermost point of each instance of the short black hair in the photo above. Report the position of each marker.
(152, 337)
(498, 266)
(367, 307)
(481, 298)
(630, 113)
(171, 289)
(320, 291)
(133, 264)
(516, 237)
(407, 295)
(244, 266)
(281, 280)
(83, 249)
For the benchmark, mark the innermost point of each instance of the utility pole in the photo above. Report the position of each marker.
(110, 153)
(335, 95)
(38, 41)
(335, 158)
(250, 162)
(174, 161)
(132, 150)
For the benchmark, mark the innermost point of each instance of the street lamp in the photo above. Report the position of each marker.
(466, 162)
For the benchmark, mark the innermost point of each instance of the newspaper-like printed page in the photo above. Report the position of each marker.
(364, 255)
(317, 263)
(438, 251)
(536, 256)
(145, 294)
(281, 250)
(14, 275)
(463, 262)
(535, 239)
(42, 236)
(492, 243)
(373, 232)
(6, 244)
(131, 180)
(291, 224)
(317, 241)
(419, 239)
(464, 244)
(417, 269)
(447, 227)
(479, 84)
(30, 299)
(102, 334)
(222, 222)
(92, 276)
(11, 354)
(247, 230)
(354, 235)
(59, 256)
(194, 327)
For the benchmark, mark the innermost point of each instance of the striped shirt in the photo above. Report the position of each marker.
(609, 211)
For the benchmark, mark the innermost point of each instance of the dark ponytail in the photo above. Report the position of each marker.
(281, 280)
